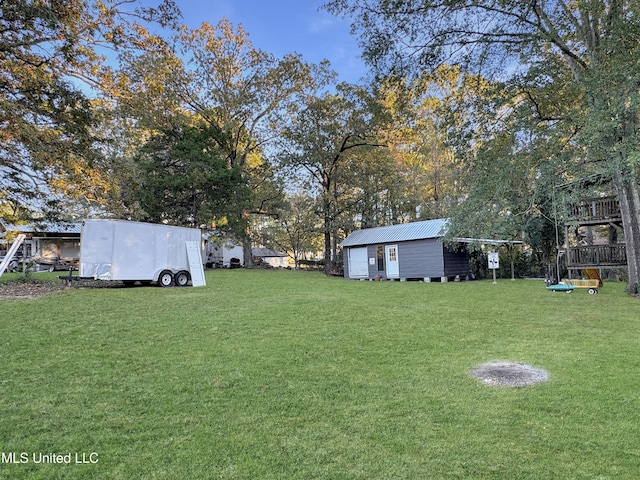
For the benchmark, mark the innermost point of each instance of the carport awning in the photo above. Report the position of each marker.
(487, 241)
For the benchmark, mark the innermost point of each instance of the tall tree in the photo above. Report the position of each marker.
(374, 186)
(422, 111)
(47, 145)
(588, 49)
(247, 93)
(185, 180)
(295, 228)
(320, 145)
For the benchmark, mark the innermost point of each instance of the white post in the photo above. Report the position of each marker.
(12, 251)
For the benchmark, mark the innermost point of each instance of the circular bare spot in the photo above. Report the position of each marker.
(509, 374)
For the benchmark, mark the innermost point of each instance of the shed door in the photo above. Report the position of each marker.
(391, 256)
(358, 263)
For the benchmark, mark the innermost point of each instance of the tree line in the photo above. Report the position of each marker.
(474, 110)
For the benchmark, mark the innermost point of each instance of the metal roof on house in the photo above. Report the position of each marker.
(266, 252)
(43, 227)
(398, 233)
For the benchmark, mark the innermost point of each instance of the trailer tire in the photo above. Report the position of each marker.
(182, 278)
(165, 279)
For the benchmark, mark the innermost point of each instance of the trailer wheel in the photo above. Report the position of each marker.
(165, 279)
(593, 291)
(182, 278)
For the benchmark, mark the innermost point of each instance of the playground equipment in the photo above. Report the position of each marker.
(569, 286)
(591, 284)
(592, 280)
(561, 287)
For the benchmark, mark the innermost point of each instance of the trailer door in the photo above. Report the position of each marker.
(96, 249)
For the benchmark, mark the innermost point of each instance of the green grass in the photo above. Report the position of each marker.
(293, 375)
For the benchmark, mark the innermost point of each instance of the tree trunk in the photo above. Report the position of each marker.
(334, 250)
(627, 190)
(246, 252)
(327, 227)
(327, 245)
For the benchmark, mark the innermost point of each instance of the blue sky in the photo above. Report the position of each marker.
(285, 26)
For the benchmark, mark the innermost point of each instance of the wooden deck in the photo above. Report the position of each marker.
(597, 256)
(594, 211)
(588, 213)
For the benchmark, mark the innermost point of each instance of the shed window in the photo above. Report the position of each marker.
(380, 256)
(393, 256)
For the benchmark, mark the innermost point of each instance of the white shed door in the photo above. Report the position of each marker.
(358, 263)
(391, 257)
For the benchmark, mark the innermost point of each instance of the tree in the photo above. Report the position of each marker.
(185, 180)
(295, 228)
(247, 94)
(586, 52)
(374, 189)
(422, 118)
(48, 147)
(320, 145)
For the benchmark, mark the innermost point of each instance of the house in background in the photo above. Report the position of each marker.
(270, 257)
(409, 251)
(51, 245)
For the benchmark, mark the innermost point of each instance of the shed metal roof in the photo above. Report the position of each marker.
(398, 233)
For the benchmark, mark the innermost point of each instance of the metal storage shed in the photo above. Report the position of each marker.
(407, 251)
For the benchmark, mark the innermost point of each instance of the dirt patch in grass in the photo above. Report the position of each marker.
(29, 288)
(34, 288)
(509, 374)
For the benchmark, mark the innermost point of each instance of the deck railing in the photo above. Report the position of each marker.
(597, 255)
(605, 208)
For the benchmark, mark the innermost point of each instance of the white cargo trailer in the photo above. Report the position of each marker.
(140, 252)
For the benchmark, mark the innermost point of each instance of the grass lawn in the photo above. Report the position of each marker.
(293, 375)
